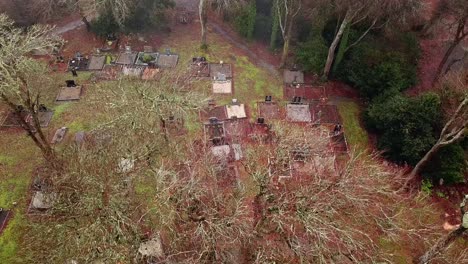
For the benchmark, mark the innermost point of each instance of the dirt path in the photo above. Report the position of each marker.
(256, 59)
(68, 27)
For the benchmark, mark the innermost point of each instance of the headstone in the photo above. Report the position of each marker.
(59, 135)
(70, 83)
(213, 120)
(168, 51)
(80, 137)
(43, 108)
(235, 102)
(128, 49)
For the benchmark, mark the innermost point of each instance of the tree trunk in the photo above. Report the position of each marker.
(334, 45)
(444, 61)
(203, 19)
(274, 26)
(424, 160)
(287, 40)
(441, 245)
(86, 22)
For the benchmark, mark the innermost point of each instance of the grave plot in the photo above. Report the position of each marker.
(11, 119)
(126, 58)
(235, 110)
(4, 216)
(298, 113)
(96, 62)
(236, 129)
(71, 92)
(339, 143)
(260, 131)
(147, 58)
(221, 68)
(214, 132)
(168, 59)
(268, 109)
(110, 72)
(319, 165)
(228, 175)
(42, 201)
(199, 67)
(227, 153)
(280, 168)
(78, 63)
(152, 249)
(222, 86)
(213, 111)
(324, 113)
(133, 71)
(45, 116)
(110, 43)
(173, 125)
(150, 73)
(293, 77)
(305, 91)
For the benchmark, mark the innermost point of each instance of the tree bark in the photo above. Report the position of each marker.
(442, 244)
(287, 40)
(203, 20)
(334, 45)
(424, 160)
(444, 61)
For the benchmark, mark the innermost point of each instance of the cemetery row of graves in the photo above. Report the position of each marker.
(227, 128)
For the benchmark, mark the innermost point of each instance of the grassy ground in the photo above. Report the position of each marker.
(355, 134)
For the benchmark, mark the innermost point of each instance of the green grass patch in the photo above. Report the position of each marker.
(355, 134)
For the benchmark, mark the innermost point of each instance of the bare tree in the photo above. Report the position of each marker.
(454, 16)
(375, 13)
(287, 11)
(453, 130)
(18, 72)
(221, 5)
(448, 239)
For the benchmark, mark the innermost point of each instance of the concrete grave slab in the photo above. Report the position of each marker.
(96, 62)
(222, 87)
(67, 94)
(236, 111)
(221, 68)
(126, 58)
(168, 60)
(43, 201)
(293, 76)
(133, 71)
(298, 113)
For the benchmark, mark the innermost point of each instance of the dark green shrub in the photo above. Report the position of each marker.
(245, 20)
(375, 72)
(406, 127)
(448, 164)
(312, 54)
(104, 25)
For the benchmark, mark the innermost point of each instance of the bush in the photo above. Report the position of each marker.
(312, 54)
(375, 72)
(245, 20)
(406, 127)
(448, 164)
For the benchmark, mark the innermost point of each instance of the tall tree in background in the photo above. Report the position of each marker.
(220, 5)
(18, 70)
(376, 13)
(287, 11)
(454, 15)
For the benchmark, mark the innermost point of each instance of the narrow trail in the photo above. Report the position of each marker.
(218, 29)
(68, 27)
